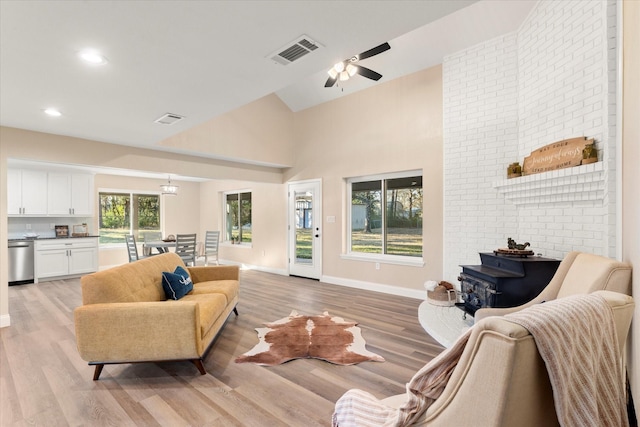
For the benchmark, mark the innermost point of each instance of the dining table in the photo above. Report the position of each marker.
(161, 245)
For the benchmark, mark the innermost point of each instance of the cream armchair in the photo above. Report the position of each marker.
(578, 273)
(501, 380)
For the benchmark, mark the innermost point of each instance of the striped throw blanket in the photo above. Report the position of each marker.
(576, 338)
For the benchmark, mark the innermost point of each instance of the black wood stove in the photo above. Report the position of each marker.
(504, 281)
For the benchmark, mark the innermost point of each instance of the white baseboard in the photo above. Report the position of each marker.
(358, 284)
(376, 287)
(281, 272)
(5, 320)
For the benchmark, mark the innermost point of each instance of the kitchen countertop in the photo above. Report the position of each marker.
(19, 239)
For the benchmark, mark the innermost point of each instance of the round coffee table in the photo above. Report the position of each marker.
(444, 324)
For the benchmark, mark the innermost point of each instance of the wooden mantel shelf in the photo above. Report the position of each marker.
(580, 183)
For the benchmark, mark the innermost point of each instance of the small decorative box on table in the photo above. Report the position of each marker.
(80, 231)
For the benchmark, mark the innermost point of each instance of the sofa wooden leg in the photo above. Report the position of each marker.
(97, 372)
(200, 366)
(235, 310)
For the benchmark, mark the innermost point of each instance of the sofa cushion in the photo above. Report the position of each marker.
(132, 282)
(211, 306)
(227, 287)
(176, 284)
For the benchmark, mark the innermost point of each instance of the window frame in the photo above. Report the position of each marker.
(238, 193)
(382, 257)
(131, 193)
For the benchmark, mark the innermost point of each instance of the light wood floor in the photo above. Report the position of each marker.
(43, 381)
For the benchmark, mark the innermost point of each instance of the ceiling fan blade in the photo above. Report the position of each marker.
(366, 72)
(331, 81)
(376, 50)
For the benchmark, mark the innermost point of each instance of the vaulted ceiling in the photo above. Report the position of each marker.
(201, 59)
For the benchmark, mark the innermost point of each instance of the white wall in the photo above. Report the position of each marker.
(504, 98)
(480, 140)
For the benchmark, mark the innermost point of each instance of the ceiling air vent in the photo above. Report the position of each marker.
(168, 119)
(294, 50)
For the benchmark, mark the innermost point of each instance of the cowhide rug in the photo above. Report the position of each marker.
(321, 337)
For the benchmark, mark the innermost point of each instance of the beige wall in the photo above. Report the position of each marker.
(23, 144)
(392, 127)
(631, 179)
(257, 132)
(269, 223)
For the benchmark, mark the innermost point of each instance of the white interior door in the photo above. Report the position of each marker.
(305, 231)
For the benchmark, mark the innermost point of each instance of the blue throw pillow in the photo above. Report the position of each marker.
(176, 284)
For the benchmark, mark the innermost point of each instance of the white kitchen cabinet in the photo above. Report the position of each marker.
(70, 194)
(52, 262)
(26, 192)
(66, 257)
(83, 260)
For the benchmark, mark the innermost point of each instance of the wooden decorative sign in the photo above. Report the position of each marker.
(559, 155)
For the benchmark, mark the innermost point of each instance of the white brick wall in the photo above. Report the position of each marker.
(480, 134)
(553, 79)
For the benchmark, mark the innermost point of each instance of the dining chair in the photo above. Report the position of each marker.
(211, 244)
(132, 248)
(186, 248)
(151, 236)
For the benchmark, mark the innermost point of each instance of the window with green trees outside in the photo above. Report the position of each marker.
(386, 215)
(127, 213)
(238, 217)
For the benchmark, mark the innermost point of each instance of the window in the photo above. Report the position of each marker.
(238, 217)
(127, 213)
(386, 214)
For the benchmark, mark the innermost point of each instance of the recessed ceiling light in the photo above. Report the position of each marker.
(52, 112)
(92, 57)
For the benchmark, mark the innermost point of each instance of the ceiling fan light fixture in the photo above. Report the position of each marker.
(347, 68)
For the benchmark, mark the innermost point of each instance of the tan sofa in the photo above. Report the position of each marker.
(126, 318)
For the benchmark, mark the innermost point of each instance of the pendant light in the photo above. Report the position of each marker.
(169, 189)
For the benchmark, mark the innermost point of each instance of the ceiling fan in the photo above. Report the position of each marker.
(348, 68)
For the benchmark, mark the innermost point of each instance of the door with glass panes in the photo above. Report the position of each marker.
(305, 233)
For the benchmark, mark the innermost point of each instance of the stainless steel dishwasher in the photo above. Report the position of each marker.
(20, 262)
